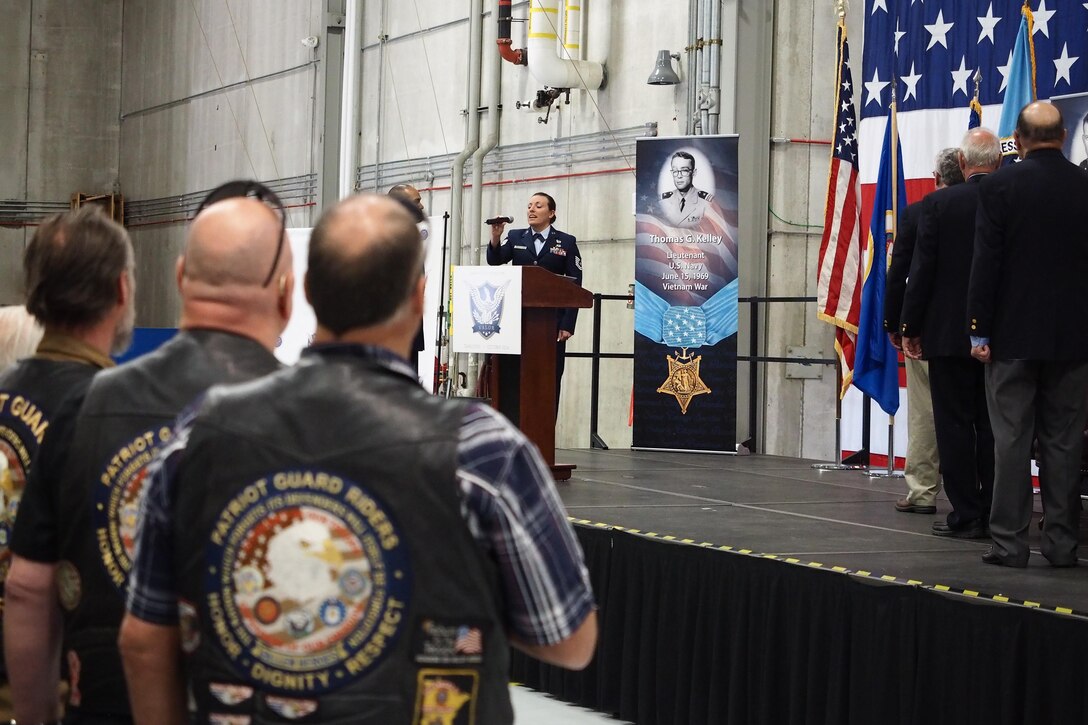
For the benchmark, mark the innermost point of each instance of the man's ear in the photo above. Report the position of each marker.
(286, 295)
(124, 288)
(179, 270)
(419, 295)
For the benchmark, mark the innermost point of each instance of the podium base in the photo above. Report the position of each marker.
(562, 471)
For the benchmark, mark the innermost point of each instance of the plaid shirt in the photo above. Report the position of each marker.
(508, 500)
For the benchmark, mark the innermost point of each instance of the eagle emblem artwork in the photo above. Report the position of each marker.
(308, 581)
(487, 305)
(12, 483)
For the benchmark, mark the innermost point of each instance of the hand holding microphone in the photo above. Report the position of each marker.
(497, 224)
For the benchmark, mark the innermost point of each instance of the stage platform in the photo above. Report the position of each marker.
(755, 589)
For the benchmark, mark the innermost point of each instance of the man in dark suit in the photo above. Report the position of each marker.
(922, 469)
(541, 244)
(1028, 313)
(934, 309)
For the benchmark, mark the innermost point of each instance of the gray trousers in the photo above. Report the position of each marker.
(1048, 400)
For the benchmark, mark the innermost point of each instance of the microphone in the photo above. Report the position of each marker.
(499, 220)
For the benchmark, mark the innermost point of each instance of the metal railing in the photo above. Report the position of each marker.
(753, 358)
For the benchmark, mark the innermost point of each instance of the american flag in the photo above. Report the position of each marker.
(838, 288)
(932, 48)
(469, 641)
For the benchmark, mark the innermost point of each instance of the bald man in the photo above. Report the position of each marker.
(1027, 315)
(235, 282)
(401, 583)
(409, 194)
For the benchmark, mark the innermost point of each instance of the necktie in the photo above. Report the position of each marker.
(682, 202)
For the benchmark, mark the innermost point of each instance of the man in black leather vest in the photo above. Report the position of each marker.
(235, 282)
(341, 545)
(78, 279)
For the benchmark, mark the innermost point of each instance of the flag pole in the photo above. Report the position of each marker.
(840, 463)
(891, 224)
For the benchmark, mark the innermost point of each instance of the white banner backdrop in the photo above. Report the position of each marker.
(487, 310)
(300, 328)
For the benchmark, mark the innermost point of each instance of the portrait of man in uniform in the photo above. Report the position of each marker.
(685, 205)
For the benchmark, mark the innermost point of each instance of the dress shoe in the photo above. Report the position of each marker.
(992, 557)
(973, 530)
(904, 506)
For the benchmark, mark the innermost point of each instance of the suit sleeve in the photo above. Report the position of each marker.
(896, 283)
(923, 268)
(574, 271)
(986, 261)
(501, 255)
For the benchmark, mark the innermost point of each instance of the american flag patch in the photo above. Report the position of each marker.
(469, 641)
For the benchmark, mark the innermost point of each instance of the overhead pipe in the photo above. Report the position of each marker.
(351, 121)
(475, 220)
(704, 71)
(693, 64)
(545, 63)
(472, 140)
(506, 45)
(380, 110)
(714, 91)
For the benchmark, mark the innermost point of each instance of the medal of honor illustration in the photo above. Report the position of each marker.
(487, 305)
(684, 382)
(684, 327)
(305, 588)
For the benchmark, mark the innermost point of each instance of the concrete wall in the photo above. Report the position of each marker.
(213, 90)
(61, 77)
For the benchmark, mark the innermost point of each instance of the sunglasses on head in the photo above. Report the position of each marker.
(260, 192)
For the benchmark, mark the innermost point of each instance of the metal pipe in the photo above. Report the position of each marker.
(219, 89)
(693, 64)
(475, 219)
(715, 64)
(350, 114)
(582, 149)
(472, 142)
(381, 82)
(503, 39)
(704, 71)
(545, 65)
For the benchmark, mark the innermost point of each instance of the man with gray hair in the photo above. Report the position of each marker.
(79, 287)
(235, 281)
(922, 470)
(933, 328)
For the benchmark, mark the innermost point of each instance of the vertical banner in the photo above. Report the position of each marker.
(487, 310)
(685, 378)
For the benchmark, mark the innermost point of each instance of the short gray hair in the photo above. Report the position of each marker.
(948, 167)
(981, 148)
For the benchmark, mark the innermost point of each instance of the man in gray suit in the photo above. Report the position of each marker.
(1028, 319)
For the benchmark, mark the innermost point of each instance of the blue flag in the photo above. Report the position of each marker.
(975, 119)
(876, 362)
(1020, 90)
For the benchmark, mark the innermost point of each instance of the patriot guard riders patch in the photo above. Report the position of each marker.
(307, 583)
(117, 496)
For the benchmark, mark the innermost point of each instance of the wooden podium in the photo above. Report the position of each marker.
(525, 392)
